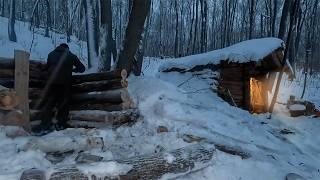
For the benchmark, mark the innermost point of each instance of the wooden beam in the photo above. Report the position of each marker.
(21, 84)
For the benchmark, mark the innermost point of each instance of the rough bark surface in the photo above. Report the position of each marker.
(139, 12)
(150, 167)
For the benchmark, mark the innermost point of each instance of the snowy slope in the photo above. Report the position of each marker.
(246, 51)
(39, 45)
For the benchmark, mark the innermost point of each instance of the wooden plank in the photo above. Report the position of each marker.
(21, 84)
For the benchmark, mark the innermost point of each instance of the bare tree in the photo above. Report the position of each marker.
(106, 34)
(252, 15)
(176, 42)
(12, 20)
(91, 37)
(2, 8)
(138, 15)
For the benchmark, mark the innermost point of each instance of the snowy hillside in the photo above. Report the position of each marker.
(187, 107)
(39, 45)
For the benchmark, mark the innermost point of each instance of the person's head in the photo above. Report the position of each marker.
(64, 45)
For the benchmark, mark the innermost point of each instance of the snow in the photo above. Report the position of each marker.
(297, 107)
(40, 46)
(101, 169)
(184, 104)
(169, 158)
(246, 51)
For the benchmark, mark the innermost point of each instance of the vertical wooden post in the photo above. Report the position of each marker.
(21, 85)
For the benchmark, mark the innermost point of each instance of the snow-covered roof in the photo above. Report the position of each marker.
(246, 51)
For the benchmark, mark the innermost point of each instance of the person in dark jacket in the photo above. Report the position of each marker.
(60, 65)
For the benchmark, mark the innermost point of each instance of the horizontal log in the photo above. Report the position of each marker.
(114, 119)
(36, 75)
(101, 107)
(117, 74)
(113, 96)
(9, 83)
(61, 144)
(100, 86)
(8, 63)
(110, 118)
(148, 167)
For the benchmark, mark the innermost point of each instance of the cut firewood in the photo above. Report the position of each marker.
(100, 119)
(148, 167)
(8, 99)
(113, 96)
(61, 144)
(7, 63)
(105, 117)
(117, 74)
(101, 107)
(100, 86)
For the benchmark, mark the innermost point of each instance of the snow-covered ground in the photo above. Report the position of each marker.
(36, 43)
(185, 104)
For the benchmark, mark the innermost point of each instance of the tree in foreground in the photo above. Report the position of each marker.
(12, 19)
(135, 28)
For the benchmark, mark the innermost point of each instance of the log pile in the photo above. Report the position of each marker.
(106, 92)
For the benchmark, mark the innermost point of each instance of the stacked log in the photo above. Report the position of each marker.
(106, 92)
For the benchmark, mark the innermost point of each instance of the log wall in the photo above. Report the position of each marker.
(106, 91)
(234, 84)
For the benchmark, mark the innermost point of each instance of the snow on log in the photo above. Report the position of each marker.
(104, 85)
(148, 167)
(117, 74)
(61, 144)
(246, 51)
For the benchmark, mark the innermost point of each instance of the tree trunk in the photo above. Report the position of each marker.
(274, 18)
(12, 20)
(48, 18)
(293, 12)
(106, 34)
(2, 8)
(195, 28)
(176, 43)
(90, 26)
(139, 12)
(154, 166)
(284, 17)
(252, 18)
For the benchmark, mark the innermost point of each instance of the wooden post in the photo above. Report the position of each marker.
(21, 85)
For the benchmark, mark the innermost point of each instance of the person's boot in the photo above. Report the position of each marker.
(41, 129)
(62, 126)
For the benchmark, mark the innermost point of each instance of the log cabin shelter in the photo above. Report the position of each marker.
(249, 85)
(247, 71)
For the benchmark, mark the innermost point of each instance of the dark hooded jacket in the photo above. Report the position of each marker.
(60, 65)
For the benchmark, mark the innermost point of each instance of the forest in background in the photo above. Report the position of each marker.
(174, 28)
